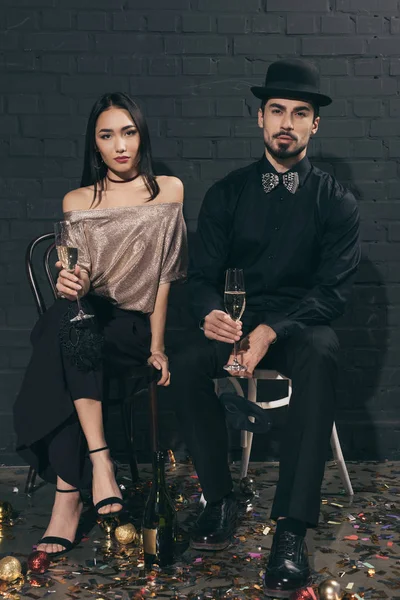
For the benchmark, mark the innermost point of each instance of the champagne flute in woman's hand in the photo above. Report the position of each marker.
(65, 232)
(235, 303)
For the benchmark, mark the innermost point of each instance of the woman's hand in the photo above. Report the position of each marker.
(69, 284)
(159, 360)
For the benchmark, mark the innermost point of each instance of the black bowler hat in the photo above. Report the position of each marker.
(294, 79)
(238, 410)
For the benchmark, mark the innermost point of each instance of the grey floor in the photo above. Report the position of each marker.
(367, 563)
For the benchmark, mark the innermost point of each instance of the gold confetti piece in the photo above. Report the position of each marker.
(266, 530)
(334, 523)
(350, 586)
(336, 504)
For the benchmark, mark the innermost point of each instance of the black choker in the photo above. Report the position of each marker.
(123, 180)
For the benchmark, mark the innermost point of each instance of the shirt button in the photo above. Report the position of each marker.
(277, 228)
(270, 257)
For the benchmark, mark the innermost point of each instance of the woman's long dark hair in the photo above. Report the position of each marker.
(94, 169)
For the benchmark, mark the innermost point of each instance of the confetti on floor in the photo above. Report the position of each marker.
(357, 542)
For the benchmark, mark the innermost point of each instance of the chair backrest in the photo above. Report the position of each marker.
(31, 271)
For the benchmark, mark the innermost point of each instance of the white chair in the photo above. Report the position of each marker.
(247, 436)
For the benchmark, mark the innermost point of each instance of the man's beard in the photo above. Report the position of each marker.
(284, 152)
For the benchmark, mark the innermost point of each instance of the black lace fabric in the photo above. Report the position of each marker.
(81, 342)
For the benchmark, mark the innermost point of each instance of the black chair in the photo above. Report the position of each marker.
(146, 372)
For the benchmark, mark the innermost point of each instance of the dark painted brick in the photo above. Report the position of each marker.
(128, 20)
(264, 45)
(91, 84)
(233, 149)
(21, 20)
(196, 107)
(334, 66)
(57, 63)
(342, 128)
(233, 24)
(162, 21)
(197, 149)
(370, 25)
(332, 46)
(59, 148)
(8, 125)
(294, 6)
(165, 66)
(236, 65)
(395, 25)
(385, 127)
(127, 65)
(231, 107)
(25, 147)
(196, 23)
(266, 24)
(200, 65)
(385, 46)
(160, 4)
(55, 104)
(198, 128)
(57, 42)
(337, 24)
(229, 5)
(368, 108)
(123, 43)
(92, 21)
(367, 6)
(384, 86)
(23, 104)
(56, 19)
(92, 64)
(368, 148)
(368, 67)
(301, 24)
(195, 44)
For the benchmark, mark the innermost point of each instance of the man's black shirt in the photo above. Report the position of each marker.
(299, 252)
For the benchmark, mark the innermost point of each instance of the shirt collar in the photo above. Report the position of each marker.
(303, 168)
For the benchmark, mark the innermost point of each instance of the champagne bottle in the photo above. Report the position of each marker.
(159, 519)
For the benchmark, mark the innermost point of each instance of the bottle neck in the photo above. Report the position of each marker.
(158, 469)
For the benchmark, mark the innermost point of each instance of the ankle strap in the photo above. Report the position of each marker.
(66, 491)
(98, 450)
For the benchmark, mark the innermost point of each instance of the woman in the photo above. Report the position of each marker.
(132, 243)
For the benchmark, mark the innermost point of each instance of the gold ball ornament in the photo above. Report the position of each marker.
(6, 511)
(10, 568)
(247, 486)
(126, 533)
(330, 590)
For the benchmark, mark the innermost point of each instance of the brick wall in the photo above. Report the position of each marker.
(190, 63)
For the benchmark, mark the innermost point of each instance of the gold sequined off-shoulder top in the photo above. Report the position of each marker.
(128, 251)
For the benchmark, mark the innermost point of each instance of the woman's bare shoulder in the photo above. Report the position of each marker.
(79, 199)
(171, 189)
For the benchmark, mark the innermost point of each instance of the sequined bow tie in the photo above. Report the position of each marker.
(271, 180)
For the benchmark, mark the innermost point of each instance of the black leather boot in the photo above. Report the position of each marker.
(216, 525)
(288, 568)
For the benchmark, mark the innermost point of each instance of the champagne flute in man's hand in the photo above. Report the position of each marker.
(235, 303)
(64, 232)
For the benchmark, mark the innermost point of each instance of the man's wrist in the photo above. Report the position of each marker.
(270, 335)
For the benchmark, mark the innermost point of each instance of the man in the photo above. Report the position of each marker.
(293, 229)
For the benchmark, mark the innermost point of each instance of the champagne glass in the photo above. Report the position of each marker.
(65, 232)
(235, 303)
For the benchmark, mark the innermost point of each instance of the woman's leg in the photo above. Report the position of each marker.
(104, 484)
(65, 516)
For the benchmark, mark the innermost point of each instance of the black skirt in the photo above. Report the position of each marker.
(69, 362)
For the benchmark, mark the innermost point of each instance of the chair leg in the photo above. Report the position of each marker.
(248, 435)
(128, 423)
(338, 455)
(30, 481)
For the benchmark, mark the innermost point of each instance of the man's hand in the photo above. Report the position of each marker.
(253, 348)
(219, 326)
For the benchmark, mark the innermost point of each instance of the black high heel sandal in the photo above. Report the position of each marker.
(52, 539)
(110, 500)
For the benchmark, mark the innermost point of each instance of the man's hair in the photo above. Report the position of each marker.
(315, 107)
